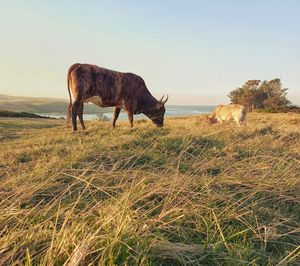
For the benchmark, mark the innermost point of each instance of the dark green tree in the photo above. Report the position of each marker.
(245, 95)
(272, 95)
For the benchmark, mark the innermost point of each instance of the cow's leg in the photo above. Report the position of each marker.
(130, 118)
(243, 122)
(80, 115)
(116, 115)
(68, 116)
(75, 108)
(238, 122)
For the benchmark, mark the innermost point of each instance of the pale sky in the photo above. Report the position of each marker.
(195, 51)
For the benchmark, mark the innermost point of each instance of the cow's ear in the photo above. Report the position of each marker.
(159, 105)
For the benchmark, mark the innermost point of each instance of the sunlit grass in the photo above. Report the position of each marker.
(185, 194)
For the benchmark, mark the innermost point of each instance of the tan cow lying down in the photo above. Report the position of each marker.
(228, 112)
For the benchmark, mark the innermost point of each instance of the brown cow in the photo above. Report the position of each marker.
(108, 88)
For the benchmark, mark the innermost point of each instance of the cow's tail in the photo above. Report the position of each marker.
(69, 111)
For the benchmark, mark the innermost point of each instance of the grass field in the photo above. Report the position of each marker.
(187, 194)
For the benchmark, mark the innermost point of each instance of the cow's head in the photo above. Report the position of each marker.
(158, 112)
(210, 120)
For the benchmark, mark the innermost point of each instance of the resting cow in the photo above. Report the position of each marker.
(222, 113)
(108, 88)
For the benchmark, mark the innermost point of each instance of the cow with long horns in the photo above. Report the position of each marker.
(108, 88)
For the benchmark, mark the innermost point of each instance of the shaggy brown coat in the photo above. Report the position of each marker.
(108, 88)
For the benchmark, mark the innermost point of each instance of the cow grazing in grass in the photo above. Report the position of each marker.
(108, 88)
(223, 113)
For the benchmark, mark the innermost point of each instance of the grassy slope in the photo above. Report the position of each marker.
(187, 193)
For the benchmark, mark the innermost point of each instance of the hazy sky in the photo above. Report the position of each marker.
(195, 51)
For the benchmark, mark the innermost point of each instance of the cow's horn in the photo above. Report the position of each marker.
(161, 98)
(165, 99)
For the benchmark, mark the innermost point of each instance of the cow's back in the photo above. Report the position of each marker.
(231, 111)
(90, 80)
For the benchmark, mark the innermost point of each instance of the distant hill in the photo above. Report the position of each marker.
(20, 114)
(41, 105)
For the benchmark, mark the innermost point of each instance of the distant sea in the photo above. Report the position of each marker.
(171, 111)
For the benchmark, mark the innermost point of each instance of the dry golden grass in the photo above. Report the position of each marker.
(187, 194)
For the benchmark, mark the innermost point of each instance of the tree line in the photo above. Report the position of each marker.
(255, 94)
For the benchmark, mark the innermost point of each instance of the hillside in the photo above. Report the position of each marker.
(187, 194)
(4, 113)
(40, 105)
